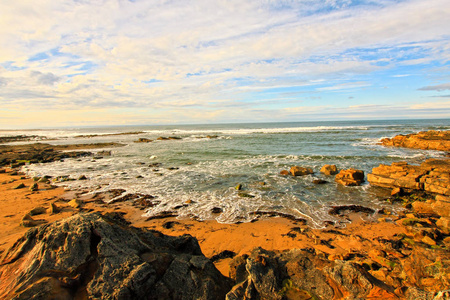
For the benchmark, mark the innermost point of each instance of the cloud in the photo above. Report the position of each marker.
(46, 79)
(207, 55)
(439, 87)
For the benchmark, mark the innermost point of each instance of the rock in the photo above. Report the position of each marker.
(350, 177)
(442, 206)
(329, 170)
(19, 186)
(426, 140)
(104, 153)
(396, 191)
(28, 221)
(102, 258)
(422, 207)
(34, 187)
(444, 224)
(284, 172)
(143, 140)
(300, 171)
(75, 203)
(245, 195)
(432, 176)
(216, 210)
(303, 275)
(53, 209)
(82, 177)
(43, 180)
(238, 187)
(319, 181)
(429, 241)
(37, 211)
(342, 209)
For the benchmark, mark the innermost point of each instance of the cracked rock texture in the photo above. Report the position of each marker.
(90, 256)
(427, 140)
(432, 176)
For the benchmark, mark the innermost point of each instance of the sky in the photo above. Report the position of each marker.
(135, 62)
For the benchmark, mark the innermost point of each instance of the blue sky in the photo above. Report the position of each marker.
(121, 62)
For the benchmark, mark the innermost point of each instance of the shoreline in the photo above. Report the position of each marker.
(404, 251)
(271, 233)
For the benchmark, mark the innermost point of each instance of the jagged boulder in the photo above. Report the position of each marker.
(101, 257)
(350, 177)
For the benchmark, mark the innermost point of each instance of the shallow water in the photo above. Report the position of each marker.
(206, 170)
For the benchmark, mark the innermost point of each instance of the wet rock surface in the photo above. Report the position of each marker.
(17, 155)
(94, 256)
(350, 177)
(427, 140)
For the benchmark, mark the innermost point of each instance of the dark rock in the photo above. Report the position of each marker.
(216, 210)
(34, 187)
(143, 140)
(169, 224)
(19, 186)
(319, 181)
(222, 255)
(338, 210)
(104, 259)
(303, 275)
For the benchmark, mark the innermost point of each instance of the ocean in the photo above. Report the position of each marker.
(209, 161)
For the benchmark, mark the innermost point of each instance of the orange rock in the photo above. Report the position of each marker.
(329, 170)
(300, 171)
(350, 177)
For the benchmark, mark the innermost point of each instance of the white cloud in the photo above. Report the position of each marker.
(147, 54)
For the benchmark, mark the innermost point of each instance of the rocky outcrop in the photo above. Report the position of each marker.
(18, 155)
(101, 257)
(308, 274)
(427, 140)
(350, 177)
(432, 176)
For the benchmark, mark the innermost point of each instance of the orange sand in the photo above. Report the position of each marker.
(276, 234)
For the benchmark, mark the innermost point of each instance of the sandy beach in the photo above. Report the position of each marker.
(271, 233)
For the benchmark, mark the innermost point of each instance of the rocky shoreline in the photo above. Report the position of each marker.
(400, 256)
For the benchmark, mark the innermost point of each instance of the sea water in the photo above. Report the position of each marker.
(209, 161)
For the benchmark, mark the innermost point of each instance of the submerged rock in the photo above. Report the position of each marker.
(93, 256)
